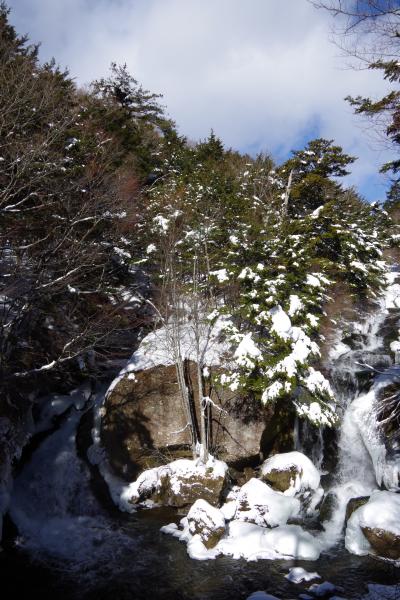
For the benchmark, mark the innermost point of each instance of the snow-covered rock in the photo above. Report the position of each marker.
(290, 473)
(180, 483)
(374, 528)
(258, 503)
(206, 521)
(298, 574)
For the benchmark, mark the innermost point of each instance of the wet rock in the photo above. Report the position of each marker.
(328, 507)
(353, 504)
(384, 543)
(206, 521)
(322, 590)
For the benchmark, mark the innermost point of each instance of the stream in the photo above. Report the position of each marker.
(65, 539)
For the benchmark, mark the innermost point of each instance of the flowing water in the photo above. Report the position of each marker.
(71, 543)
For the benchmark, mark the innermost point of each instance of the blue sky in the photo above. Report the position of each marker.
(262, 73)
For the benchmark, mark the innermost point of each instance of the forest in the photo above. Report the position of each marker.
(194, 328)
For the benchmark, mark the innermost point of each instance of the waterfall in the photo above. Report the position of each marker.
(363, 464)
(56, 513)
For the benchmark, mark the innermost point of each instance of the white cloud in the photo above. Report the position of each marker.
(262, 73)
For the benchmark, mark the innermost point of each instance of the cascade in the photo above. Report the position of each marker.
(363, 464)
(57, 516)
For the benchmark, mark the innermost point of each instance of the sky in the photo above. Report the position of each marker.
(263, 74)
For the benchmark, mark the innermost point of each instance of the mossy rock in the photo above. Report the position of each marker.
(353, 504)
(189, 489)
(384, 543)
(209, 537)
(280, 479)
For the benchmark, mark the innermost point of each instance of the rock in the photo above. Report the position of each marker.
(298, 574)
(258, 503)
(281, 480)
(206, 521)
(384, 543)
(290, 471)
(181, 483)
(322, 590)
(328, 506)
(353, 504)
(374, 527)
(144, 424)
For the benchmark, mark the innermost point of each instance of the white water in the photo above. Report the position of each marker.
(57, 515)
(363, 465)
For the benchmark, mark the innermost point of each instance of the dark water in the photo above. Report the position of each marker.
(157, 566)
(73, 544)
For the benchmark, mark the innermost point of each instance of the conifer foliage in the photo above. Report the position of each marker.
(109, 219)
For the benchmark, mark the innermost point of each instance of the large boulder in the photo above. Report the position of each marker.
(374, 528)
(206, 521)
(291, 472)
(180, 483)
(353, 504)
(384, 543)
(145, 423)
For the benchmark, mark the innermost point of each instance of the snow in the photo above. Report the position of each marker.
(395, 346)
(157, 348)
(221, 275)
(162, 223)
(392, 296)
(363, 413)
(313, 281)
(258, 503)
(295, 305)
(246, 351)
(58, 404)
(317, 280)
(307, 477)
(281, 323)
(177, 471)
(382, 511)
(249, 541)
(337, 350)
(151, 248)
(298, 574)
(207, 517)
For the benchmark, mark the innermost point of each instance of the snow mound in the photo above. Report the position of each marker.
(299, 472)
(258, 503)
(207, 521)
(249, 541)
(298, 574)
(381, 512)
